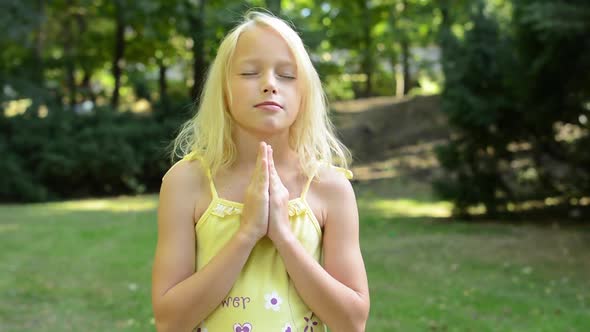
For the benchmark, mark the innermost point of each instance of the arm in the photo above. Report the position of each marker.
(338, 292)
(182, 298)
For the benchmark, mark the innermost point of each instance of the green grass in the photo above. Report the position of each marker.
(85, 266)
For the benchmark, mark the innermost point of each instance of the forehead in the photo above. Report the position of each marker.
(262, 44)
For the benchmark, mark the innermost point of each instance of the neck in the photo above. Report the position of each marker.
(247, 144)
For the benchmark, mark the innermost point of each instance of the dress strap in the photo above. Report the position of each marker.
(347, 173)
(193, 156)
(308, 183)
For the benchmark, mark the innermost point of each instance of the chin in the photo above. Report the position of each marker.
(273, 125)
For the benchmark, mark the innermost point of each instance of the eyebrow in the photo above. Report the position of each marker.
(282, 62)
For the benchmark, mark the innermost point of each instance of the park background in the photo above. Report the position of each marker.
(468, 123)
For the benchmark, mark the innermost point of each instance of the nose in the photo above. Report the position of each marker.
(269, 84)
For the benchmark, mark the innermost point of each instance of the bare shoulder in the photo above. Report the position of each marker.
(333, 184)
(331, 192)
(184, 172)
(185, 179)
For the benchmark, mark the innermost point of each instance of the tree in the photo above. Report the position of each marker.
(274, 6)
(22, 50)
(554, 42)
(518, 113)
(479, 110)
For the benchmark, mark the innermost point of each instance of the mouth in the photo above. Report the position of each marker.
(269, 105)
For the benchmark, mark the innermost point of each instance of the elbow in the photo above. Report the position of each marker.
(360, 316)
(356, 317)
(163, 324)
(166, 321)
(170, 326)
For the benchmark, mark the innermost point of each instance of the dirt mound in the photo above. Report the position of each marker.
(375, 128)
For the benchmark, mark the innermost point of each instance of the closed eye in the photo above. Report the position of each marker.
(291, 77)
(248, 74)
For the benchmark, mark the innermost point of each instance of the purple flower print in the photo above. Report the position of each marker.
(273, 301)
(310, 323)
(287, 328)
(247, 327)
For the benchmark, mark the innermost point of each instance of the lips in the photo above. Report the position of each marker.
(269, 104)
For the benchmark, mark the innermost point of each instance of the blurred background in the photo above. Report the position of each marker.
(468, 123)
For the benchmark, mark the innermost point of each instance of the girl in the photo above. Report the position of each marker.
(286, 259)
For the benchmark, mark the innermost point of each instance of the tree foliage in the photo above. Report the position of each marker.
(518, 100)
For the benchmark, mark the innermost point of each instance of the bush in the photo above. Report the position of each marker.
(65, 154)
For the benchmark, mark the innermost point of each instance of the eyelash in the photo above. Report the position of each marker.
(283, 76)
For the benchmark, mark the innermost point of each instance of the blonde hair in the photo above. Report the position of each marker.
(209, 133)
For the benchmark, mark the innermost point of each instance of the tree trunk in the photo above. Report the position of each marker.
(367, 62)
(86, 88)
(399, 80)
(197, 26)
(39, 39)
(38, 71)
(69, 42)
(163, 86)
(406, 64)
(394, 60)
(119, 52)
(444, 36)
(405, 48)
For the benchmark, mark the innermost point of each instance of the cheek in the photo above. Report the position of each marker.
(235, 91)
(296, 98)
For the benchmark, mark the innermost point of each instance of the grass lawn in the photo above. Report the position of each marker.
(85, 266)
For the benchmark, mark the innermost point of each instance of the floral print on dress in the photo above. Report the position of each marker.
(246, 327)
(296, 207)
(221, 210)
(273, 301)
(310, 322)
(287, 328)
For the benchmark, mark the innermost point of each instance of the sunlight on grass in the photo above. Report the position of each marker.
(8, 227)
(120, 204)
(406, 208)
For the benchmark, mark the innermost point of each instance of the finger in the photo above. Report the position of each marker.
(259, 155)
(276, 179)
(263, 148)
(264, 167)
(259, 160)
(273, 170)
(272, 165)
(263, 155)
(261, 166)
(270, 161)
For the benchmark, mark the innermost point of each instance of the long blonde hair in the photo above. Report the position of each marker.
(209, 133)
